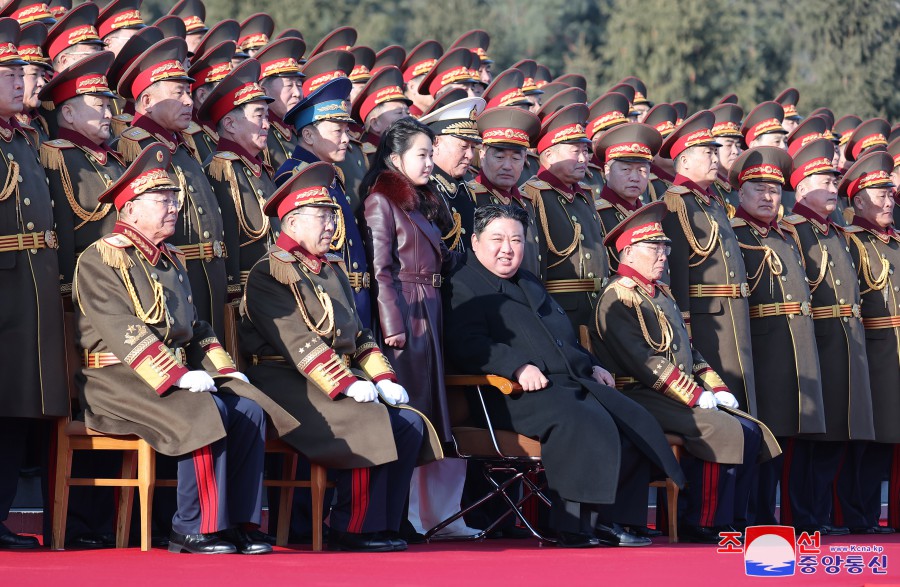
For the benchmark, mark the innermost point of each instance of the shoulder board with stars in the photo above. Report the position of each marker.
(118, 241)
(795, 219)
(678, 190)
(736, 222)
(136, 133)
(539, 184)
(477, 188)
(193, 128)
(851, 228)
(603, 205)
(58, 144)
(625, 282)
(226, 155)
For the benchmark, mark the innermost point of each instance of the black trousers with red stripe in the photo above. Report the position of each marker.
(220, 485)
(857, 487)
(718, 494)
(373, 499)
(763, 496)
(810, 467)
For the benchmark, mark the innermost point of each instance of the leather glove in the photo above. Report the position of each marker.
(362, 391)
(239, 375)
(196, 381)
(727, 399)
(707, 401)
(392, 393)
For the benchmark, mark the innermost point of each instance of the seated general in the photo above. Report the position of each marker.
(598, 447)
(641, 336)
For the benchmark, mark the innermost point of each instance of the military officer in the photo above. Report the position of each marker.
(146, 351)
(74, 37)
(606, 112)
(456, 137)
(844, 128)
(374, 448)
(26, 11)
(789, 398)
(506, 90)
(193, 14)
(812, 128)
(707, 272)
(573, 260)
(378, 105)
(418, 63)
(34, 382)
(814, 460)
(478, 41)
(528, 67)
(727, 132)
(123, 110)
(870, 135)
(763, 126)
(363, 62)
(160, 88)
(662, 171)
(641, 103)
(788, 100)
(37, 69)
(639, 329)
(256, 32)
(626, 153)
(237, 108)
(281, 79)
(453, 70)
(875, 249)
(117, 22)
(322, 119)
(507, 133)
(207, 69)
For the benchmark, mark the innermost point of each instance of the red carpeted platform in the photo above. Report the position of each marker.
(490, 563)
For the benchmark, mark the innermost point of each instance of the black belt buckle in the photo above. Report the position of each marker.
(436, 280)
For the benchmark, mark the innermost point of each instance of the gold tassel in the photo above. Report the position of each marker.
(48, 106)
(118, 126)
(283, 272)
(849, 213)
(192, 145)
(128, 149)
(113, 256)
(217, 167)
(627, 296)
(52, 158)
(674, 202)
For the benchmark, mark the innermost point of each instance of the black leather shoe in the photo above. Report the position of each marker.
(409, 534)
(511, 532)
(260, 536)
(199, 544)
(12, 541)
(576, 540)
(244, 544)
(397, 543)
(698, 534)
(615, 535)
(644, 531)
(835, 530)
(159, 541)
(350, 542)
(91, 541)
(872, 530)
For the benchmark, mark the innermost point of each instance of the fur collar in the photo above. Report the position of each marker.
(398, 189)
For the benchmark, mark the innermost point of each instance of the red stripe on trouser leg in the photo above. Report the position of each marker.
(359, 500)
(894, 490)
(710, 493)
(787, 515)
(207, 489)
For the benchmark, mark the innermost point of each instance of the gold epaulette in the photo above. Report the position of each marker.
(129, 143)
(794, 219)
(852, 228)
(339, 174)
(337, 260)
(533, 187)
(625, 289)
(220, 161)
(282, 268)
(188, 138)
(112, 251)
(849, 213)
(476, 187)
(51, 153)
(787, 227)
(603, 205)
(735, 222)
(674, 197)
(120, 123)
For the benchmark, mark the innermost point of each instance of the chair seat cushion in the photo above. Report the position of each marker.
(477, 442)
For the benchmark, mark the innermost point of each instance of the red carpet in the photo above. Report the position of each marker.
(491, 563)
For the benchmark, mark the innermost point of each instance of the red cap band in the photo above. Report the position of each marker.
(304, 197)
(640, 233)
(820, 165)
(383, 95)
(311, 84)
(129, 18)
(629, 151)
(241, 95)
(159, 72)
(761, 128)
(150, 180)
(561, 135)
(514, 136)
(873, 179)
(765, 172)
(698, 137)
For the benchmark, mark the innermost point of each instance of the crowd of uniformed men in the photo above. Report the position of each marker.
(735, 269)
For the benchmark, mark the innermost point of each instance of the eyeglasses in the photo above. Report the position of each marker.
(172, 202)
(323, 218)
(658, 248)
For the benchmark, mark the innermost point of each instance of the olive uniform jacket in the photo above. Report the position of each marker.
(33, 358)
(641, 333)
(573, 259)
(200, 233)
(204, 138)
(139, 333)
(306, 343)
(280, 143)
(242, 184)
(876, 253)
(353, 169)
(79, 171)
(486, 193)
(709, 284)
(727, 195)
(613, 209)
(785, 356)
(495, 326)
(840, 336)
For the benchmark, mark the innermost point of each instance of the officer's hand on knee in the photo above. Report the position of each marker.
(727, 399)
(196, 381)
(707, 401)
(362, 391)
(392, 393)
(530, 378)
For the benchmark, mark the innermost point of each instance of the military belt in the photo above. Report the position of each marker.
(780, 309)
(100, 360)
(432, 279)
(621, 382)
(838, 311)
(728, 290)
(203, 251)
(575, 285)
(882, 322)
(359, 279)
(29, 240)
(257, 359)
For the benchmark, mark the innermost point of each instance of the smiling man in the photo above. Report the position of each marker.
(500, 319)
(840, 335)
(159, 86)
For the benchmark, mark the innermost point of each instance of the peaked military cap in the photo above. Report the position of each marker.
(564, 126)
(789, 100)
(456, 119)
(118, 15)
(643, 226)
(31, 41)
(75, 27)
(508, 127)
(696, 131)
(385, 85)
(869, 135)
(239, 87)
(324, 67)
(330, 101)
(633, 143)
(147, 173)
(85, 78)
(813, 159)
(506, 90)
(28, 11)
(476, 41)
(307, 187)
(193, 14)
(662, 117)
(421, 59)
(812, 128)
(455, 66)
(164, 61)
(609, 110)
(342, 38)
(728, 121)
(873, 170)
(764, 119)
(762, 164)
(255, 32)
(281, 57)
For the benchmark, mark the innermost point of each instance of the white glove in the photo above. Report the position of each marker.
(239, 375)
(392, 393)
(727, 399)
(362, 391)
(196, 381)
(707, 401)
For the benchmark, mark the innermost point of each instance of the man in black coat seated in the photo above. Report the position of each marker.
(599, 448)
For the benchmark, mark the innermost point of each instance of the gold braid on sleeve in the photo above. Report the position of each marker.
(770, 259)
(12, 180)
(564, 253)
(865, 268)
(823, 269)
(327, 317)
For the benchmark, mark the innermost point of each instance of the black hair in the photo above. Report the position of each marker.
(490, 212)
